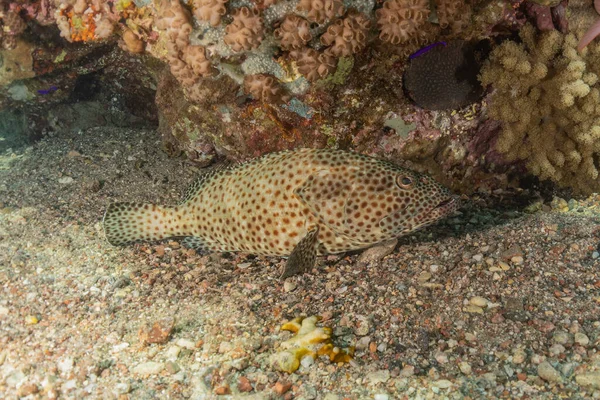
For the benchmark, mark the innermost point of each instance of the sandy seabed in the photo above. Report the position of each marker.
(493, 303)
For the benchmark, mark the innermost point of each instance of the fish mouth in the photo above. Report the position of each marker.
(445, 203)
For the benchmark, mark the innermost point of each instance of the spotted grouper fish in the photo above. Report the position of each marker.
(299, 204)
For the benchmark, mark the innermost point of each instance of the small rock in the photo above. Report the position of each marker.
(307, 361)
(289, 285)
(27, 389)
(582, 339)
(478, 257)
(363, 343)
(465, 368)
(519, 356)
(512, 251)
(172, 367)
(222, 390)
(424, 277)
(381, 396)
(478, 301)
(470, 308)
(561, 337)
(333, 396)
(378, 252)
(186, 343)
(375, 377)
(441, 357)
(65, 180)
(443, 383)
(225, 347)
(122, 388)
(517, 260)
(31, 320)
(159, 332)
(407, 371)
(148, 368)
(172, 352)
(590, 379)
(282, 387)
(244, 384)
(557, 349)
(548, 373)
(372, 347)
(4, 311)
(363, 326)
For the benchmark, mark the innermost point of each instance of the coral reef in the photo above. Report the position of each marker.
(265, 88)
(314, 65)
(210, 10)
(546, 96)
(11, 25)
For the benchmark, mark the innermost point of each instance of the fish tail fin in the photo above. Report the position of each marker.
(126, 223)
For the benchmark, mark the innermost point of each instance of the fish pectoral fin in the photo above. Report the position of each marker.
(196, 243)
(304, 255)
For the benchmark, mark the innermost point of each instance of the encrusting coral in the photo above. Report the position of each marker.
(452, 14)
(547, 96)
(246, 30)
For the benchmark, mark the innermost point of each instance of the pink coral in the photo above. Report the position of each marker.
(293, 33)
(347, 36)
(399, 20)
(320, 11)
(314, 65)
(210, 10)
(245, 31)
(265, 88)
(195, 57)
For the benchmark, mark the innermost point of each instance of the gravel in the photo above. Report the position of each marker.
(497, 302)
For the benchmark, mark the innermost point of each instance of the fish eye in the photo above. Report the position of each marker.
(404, 181)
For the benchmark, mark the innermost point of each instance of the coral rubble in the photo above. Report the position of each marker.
(547, 97)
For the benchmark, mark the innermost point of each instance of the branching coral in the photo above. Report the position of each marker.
(314, 65)
(210, 10)
(320, 11)
(11, 25)
(347, 36)
(400, 20)
(547, 97)
(265, 88)
(245, 31)
(293, 33)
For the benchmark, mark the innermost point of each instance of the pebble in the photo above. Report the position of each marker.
(557, 349)
(31, 320)
(27, 389)
(244, 384)
(332, 396)
(581, 339)
(470, 308)
(478, 257)
(122, 388)
(465, 368)
(66, 180)
(478, 301)
(517, 260)
(158, 333)
(186, 343)
(561, 337)
(381, 396)
(282, 387)
(148, 368)
(591, 379)
(407, 371)
(595, 255)
(363, 343)
(380, 376)
(378, 252)
(363, 326)
(307, 361)
(424, 277)
(441, 357)
(519, 356)
(225, 347)
(289, 285)
(443, 383)
(172, 352)
(172, 367)
(548, 373)
(4, 310)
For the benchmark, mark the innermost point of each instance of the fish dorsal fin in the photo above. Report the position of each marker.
(195, 187)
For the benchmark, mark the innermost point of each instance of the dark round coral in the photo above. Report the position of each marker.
(444, 75)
